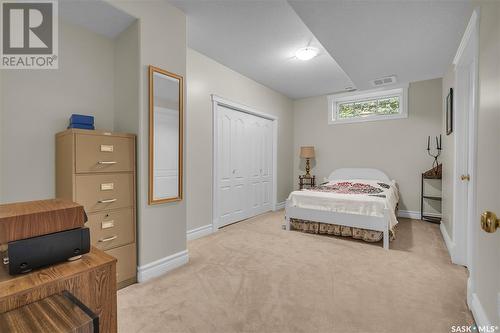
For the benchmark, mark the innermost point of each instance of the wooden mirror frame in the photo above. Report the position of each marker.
(151, 199)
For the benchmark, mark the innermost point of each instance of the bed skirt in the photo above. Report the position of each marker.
(338, 230)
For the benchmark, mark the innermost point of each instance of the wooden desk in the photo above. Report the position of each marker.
(91, 279)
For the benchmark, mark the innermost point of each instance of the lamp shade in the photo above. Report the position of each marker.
(307, 152)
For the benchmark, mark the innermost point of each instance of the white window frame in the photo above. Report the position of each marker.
(358, 96)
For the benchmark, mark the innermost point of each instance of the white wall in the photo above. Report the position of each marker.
(397, 147)
(162, 35)
(448, 157)
(38, 103)
(206, 77)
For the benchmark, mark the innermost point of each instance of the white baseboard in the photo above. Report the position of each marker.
(200, 232)
(478, 312)
(280, 205)
(412, 214)
(450, 245)
(162, 266)
(409, 214)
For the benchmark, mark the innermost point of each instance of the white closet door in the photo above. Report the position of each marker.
(255, 155)
(267, 165)
(244, 165)
(260, 178)
(231, 166)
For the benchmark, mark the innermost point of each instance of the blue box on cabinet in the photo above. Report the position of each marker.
(82, 126)
(81, 121)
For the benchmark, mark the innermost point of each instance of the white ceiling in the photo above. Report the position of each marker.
(414, 40)
(96, 15)
(258, 39)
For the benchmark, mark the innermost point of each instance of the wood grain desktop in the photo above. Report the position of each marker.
(35, 218)
(59, 313)
(91, 279)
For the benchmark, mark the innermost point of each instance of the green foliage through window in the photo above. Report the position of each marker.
(373, 107)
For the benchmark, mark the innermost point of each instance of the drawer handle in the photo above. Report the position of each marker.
(106, 162)
(107, 201)
(108, 239)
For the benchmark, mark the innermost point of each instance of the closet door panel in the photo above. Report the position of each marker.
(238, 163)
(267, 164)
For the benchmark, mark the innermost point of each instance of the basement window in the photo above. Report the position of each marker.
(368, 105)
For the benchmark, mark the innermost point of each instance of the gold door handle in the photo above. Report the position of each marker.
(489, 222)
(465, 177)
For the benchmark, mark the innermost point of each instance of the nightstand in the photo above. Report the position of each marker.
(307, 181)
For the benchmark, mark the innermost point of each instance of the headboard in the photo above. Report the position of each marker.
(358, 173)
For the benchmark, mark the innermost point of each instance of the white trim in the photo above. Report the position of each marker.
(465, 121)
(242, 107)
(280, 205)
(467, 35)
(399, 90)
(199, 232)
(216, 101)
(450, 245)
(409, 214)
(478, 312)
(162, 266)
(415, 215)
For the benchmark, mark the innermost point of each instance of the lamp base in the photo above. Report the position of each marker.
(308, 168)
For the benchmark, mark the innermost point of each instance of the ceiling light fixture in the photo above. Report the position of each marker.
(306, 53)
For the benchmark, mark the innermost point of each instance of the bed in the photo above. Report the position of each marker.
(358, 198)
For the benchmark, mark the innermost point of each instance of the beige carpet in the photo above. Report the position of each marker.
(255, 277)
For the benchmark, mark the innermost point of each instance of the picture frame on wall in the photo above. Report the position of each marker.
(449, 112)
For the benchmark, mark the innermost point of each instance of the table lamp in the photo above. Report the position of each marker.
(307, 152)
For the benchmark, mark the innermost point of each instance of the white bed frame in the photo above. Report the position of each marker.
(345, 219)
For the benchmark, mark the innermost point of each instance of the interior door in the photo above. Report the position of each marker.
(266, 165)
(244, 165)
(484, 280)
(231, 166)
(256, 147)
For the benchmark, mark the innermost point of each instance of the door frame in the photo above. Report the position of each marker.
(466, 196)
(465, 126)
(219, 101)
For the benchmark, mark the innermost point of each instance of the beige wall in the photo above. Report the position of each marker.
(448, 157)
(127, 80)
(396, 147)
(162, 35)
(38, 103)
(206, 77)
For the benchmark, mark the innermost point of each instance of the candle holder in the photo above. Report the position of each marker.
(438, 151)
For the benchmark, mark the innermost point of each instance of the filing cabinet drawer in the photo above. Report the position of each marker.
(101, 153)
(104, 192)
(127, 262)
(111, 229)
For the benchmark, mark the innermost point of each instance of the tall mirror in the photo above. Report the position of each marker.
(165, 136)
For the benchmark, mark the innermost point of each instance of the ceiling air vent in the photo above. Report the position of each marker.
(384, 81)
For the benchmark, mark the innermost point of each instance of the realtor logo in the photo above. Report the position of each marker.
(29, 36)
